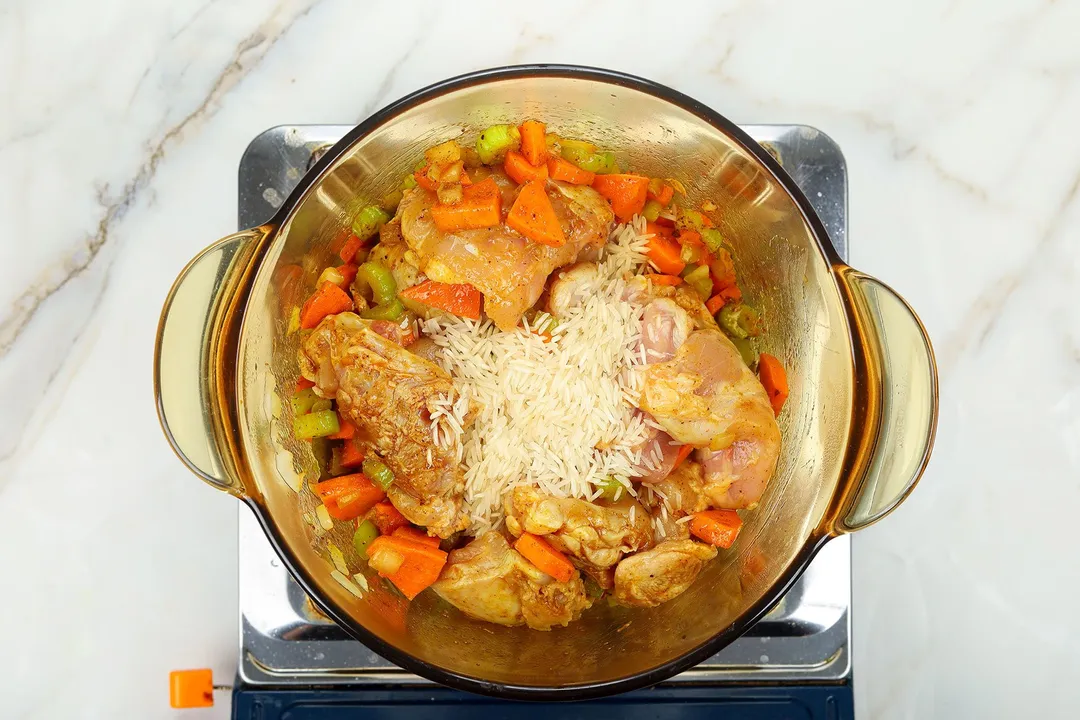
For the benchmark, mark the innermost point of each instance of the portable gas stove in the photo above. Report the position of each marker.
(795, 663)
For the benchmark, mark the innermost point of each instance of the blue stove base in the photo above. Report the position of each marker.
(781, 702)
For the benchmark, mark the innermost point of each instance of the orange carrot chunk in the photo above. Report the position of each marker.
(627, 193)
(716, 527)
(480, 207)
(304, 384)
(533, 146)
(565, 171)
(352, 454)
(416, 535)
(547, 559)
(714, 303)
(684, 452)
(349, 496)
(459, 298)
(346, 430)
(774, 380)
(348, 250)
(660, 192)
(664, 251)
(533, 216)
(327, 300)
(387, 518)
(415, 565)
(520, 171)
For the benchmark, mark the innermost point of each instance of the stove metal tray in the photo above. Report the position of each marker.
(805, 638)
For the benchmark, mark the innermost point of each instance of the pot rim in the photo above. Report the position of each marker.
(580, 691)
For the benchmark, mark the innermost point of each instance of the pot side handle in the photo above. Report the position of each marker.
(192, 369)
(898, 404)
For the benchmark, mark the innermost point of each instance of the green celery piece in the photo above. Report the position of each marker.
(366, 532)
(368, 222)
(303, 401)
(712, 239)
(378, 473)
(392, 310)
(652, 210)
(700, 280)
(495, 141)
(381, 281)
(316, 424)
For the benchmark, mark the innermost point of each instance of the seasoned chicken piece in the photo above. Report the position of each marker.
(507, 268)
(570, 286)
(706, 396)
(383, 389)
(489, 580)
(655, 576)
(596, 535)
(659, 453)
(664, 328)
(682, 493)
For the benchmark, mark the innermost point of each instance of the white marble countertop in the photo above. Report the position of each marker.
(122, 128)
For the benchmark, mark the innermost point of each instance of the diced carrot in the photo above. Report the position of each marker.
(664, 196)
(540, 553)
(387, 518)
(657, 279)
(349, 249)
(416, 535)
(722, 269)
(352, 454)
(626, 193)
(716, 527)
(346, 430)
(349, 496)
(691, 237)
(533, 146)
(731, 293)
(348, 272)
(565, 171)
(663, 250)
(714, 303)
(533, 216)
(460, 299)
(656, 228)
(774, 380)
(304, 384)
(684, 452)
(327, 300)
(423, 180)
(420, 566)
(480, 207)
(520, 171)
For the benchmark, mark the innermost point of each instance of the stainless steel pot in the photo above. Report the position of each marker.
(858, 427)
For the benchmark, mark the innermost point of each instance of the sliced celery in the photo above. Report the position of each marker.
(496, 141)
(365, 533)
(316, 424)
(368, 222)
(378, 473)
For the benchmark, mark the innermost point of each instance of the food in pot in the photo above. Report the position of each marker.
(534, 370)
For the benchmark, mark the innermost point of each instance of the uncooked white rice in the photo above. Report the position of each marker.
(557, 415)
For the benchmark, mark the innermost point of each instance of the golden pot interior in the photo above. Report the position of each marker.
(810, 323)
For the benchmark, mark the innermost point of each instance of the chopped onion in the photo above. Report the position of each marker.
(386, 561)
(339, 558)
(346, 583)
(324, 517)
(360, 580)
(331, 275)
